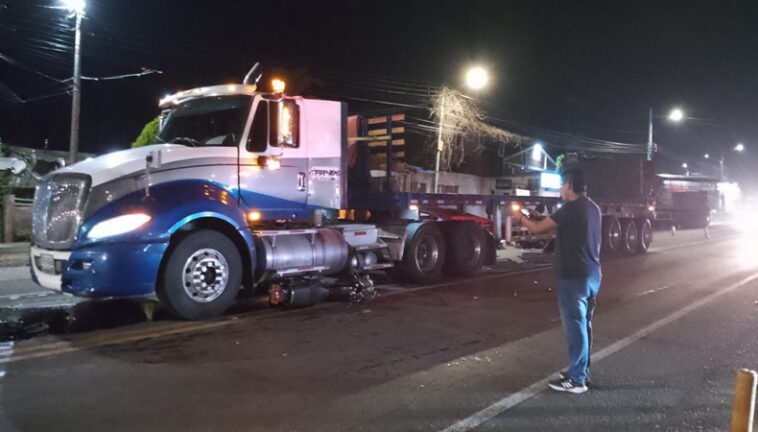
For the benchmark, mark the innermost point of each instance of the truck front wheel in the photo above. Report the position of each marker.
(202, 276)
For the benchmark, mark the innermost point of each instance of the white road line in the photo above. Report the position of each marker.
(514, 399)
(28, 294)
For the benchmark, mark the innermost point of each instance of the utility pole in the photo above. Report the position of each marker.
(721, 166)
(76, 101)
(650, 135)
(440, 147)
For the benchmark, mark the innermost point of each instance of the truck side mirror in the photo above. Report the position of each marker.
(285, 123)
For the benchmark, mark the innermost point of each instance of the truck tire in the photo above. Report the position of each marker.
(465, 248)
(644, 235)
(201, 277)
(611, 235)
(424, 255)
(629, 237)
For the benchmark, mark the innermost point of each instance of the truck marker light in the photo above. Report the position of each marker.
(273, 164)
(118, 225)
(269, 162)
(254, 216)
(278, 85)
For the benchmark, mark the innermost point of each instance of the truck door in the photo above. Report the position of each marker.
(273, 169)
(323, 135)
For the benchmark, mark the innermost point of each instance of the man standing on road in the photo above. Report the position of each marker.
(576, 265)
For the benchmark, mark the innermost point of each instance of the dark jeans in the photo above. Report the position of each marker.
(576, 301)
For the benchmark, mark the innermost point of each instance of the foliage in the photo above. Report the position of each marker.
(463, 128)
(559, 162)
(148, 134)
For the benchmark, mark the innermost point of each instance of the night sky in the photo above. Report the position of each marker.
(588, 68)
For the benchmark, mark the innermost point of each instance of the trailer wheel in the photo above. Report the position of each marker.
(644, 235)
(629, 237)
(466, 246)
(424, 255)
(611, 235)
(201, 277)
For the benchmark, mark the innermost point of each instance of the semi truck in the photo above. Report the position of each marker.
(624, 188)
(245, 189)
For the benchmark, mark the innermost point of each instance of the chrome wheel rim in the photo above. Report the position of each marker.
(473, 250)
(647, 235)
(614, 234)
(427, 254)
(205, 275)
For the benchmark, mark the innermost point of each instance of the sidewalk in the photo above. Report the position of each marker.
(14, 254)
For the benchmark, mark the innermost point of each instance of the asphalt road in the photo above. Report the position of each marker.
(672, 327)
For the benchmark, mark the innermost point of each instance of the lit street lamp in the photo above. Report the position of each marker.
(676, 115)
(476, 79)
(76, 7)
(707, 156)
(739, 148)
(686, 170)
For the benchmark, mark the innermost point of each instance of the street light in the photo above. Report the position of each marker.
(739, 147)
(707, 156)
(676, 115)
(476, 79)
(686, 170)
(76, 7)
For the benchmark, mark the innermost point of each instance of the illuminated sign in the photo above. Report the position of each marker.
(549, 180)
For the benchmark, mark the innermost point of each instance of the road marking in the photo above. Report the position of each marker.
(57, 348)
(27, 294)
(514, 399)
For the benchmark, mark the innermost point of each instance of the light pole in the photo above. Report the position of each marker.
(77, 8)
(686, 169)
(739, 148)
(476, 79)
(676, 115)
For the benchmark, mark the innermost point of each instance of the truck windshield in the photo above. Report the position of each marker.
(209, 121)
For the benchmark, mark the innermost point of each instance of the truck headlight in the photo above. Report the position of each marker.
(118, 225)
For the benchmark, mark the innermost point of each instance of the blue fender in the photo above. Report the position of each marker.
(127, 265)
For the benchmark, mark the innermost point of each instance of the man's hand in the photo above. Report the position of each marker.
(535, 226)
(516, 213)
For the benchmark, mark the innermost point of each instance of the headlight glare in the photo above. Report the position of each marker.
(118, 225)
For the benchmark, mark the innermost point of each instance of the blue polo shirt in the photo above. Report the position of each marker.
(577, 248)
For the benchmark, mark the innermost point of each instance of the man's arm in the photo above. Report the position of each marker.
(540, 226)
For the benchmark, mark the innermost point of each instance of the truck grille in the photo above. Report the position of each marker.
(57, 212)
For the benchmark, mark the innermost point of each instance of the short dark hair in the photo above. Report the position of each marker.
(575, 176)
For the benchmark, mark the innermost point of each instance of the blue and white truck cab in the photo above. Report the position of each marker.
(244, 189)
